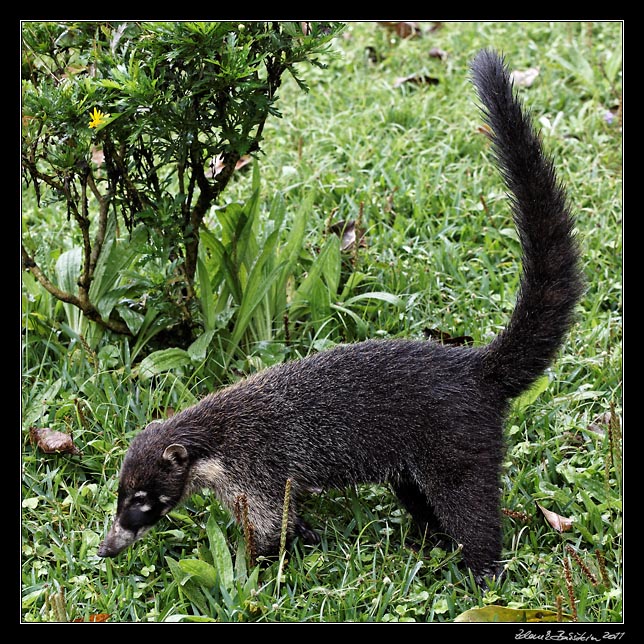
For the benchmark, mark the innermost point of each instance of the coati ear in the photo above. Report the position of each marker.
(177, 454)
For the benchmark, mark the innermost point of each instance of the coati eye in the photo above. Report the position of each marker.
(143, 507)
(141, 510)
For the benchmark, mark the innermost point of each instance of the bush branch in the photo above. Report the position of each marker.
(88, 309)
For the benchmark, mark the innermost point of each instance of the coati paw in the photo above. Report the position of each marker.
(493, 573)
(306, 533)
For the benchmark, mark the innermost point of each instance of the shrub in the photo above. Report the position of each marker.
(137, 129)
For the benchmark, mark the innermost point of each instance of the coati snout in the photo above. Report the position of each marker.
(140, 506)
(423, 417)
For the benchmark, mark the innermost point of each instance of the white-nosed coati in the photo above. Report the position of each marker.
(424, 417)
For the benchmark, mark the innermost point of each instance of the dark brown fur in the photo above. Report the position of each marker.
(426, 418)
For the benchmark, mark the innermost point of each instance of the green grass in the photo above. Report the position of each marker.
(438, 236)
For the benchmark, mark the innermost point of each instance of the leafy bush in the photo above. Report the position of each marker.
(137, 129)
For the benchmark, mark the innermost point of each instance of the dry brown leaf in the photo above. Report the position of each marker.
(51, 441)
(243, 161)
(99, 617)
(416, 79)
(346, 231)
(600, 424)
(559, 523)
(403, 29)
(436, 52)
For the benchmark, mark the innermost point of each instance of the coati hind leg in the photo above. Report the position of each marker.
(468, 509)
(417, 504)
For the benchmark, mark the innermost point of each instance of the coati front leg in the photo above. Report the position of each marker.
(266, 527)
(308, 535)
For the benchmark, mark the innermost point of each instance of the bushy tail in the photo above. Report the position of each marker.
(551, 282)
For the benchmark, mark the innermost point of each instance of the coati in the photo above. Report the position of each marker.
(426, 418)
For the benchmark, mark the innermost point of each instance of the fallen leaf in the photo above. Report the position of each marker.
(403, 29)
(524, 78)
(600, 424)
(346, 231)
(559, 523)
(416, 79)
(436, 52)
(52, 442)
(495, 613)
(243, 161)
(99, 617)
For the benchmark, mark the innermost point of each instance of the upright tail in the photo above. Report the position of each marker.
(551, 281)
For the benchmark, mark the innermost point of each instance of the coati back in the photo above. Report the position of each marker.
(426, 418)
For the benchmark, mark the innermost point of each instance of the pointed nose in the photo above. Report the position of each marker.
(107, 549)
(117, 540)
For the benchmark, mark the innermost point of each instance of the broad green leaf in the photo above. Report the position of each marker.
(200, 571)
(578, 66)
(614, 64)
(332, 267)
(290, 253)
(39, 406)
(495, 613)
(68, 269)
(225, 268)
(188, 587)
(163, 360)
(529, 396)
(152, 324)
(220, 553)
(206, 296)
(111, 299)
(198, 349)
(116, 255)
(252, 298)
(375, 295)
(312, 291)
(133, 319)
(361, 325)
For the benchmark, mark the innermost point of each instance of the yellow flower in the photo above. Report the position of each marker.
(98, 118)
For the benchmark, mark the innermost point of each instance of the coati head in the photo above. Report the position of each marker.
(154, 478)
